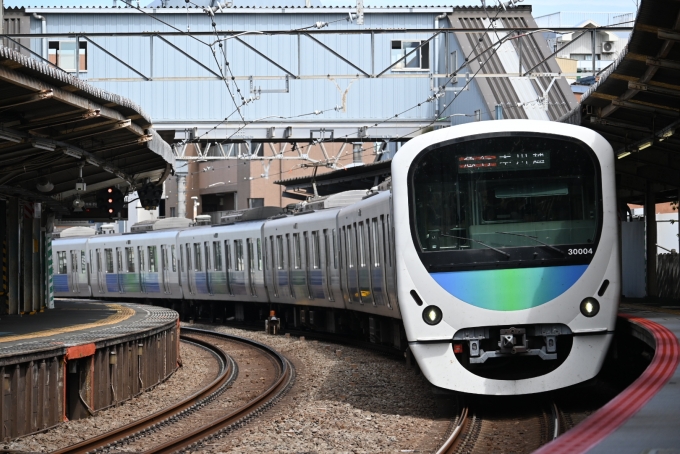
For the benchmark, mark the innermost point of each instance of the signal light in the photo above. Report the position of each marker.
(457, 348)
(111, 199)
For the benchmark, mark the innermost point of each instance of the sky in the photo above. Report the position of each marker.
(540, 7)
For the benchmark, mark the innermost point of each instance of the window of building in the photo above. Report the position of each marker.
(62, 266)
(64, 55)
(418, 59)
(172, 212)
(255, 203)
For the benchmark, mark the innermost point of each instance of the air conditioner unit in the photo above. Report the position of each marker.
(608, 47)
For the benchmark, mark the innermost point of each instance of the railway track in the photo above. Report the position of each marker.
(469, 432)
(202, 416)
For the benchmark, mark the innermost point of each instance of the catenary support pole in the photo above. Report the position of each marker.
(650, 235)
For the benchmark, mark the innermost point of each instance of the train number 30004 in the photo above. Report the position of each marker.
(580, 251)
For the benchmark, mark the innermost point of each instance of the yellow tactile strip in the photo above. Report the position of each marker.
(122, 313)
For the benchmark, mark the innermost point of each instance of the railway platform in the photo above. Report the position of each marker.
(80, 357)
(644, 417)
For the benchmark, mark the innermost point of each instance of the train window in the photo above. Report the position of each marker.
(74, 262)
(181, 254)
(153, 258)
(259, 254)
(108, 259)
(206, 250)
(288, 250)
(174, 258)
(140, 253)
(376, 242)
(130, 257)
(217, 255)
(62, 267)
(361, 245)
(91, 263)
(269, 264)
(251, 256)
(327, 249)
(99, 260)
(350, 247)
(119, 260)
(335, 251)
(83, 263)
(238, 251)
(198, 262)
(279, 249)
(384, 237)
(188, 250)
(297, 254)
(227, 254)
(316, 252)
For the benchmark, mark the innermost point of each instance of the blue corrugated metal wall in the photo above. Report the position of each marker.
(208, 100)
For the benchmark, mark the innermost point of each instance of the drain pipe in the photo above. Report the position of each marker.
(43, 31)
(435, 69)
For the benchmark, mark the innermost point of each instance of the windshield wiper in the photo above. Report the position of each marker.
(478, 242)
(536, 240)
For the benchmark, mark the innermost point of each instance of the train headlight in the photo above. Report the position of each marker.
(590, 307)
(432, 315)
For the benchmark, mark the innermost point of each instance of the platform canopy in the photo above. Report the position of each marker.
(634, 105)
(54, 125)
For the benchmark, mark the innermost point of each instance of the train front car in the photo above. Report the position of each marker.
(507, 239)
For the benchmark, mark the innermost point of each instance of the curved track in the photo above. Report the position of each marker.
(541, 425)
(164, 420)
(227, 374)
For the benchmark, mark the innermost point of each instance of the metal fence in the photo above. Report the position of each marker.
(668, 275)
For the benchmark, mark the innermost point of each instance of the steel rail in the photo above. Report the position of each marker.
(556, 420)
(447, 447)
(240, 415)
(226, 375)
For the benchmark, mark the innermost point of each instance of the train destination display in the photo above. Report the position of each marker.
(507, 161)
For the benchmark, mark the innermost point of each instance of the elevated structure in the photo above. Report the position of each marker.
(272, 83)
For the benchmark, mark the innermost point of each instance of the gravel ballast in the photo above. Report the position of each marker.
(344, 400)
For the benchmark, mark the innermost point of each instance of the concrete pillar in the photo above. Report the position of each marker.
(650, 235)
(181, 196)
(4, 302)
(13, 256)
(36, 275)
(27, 252)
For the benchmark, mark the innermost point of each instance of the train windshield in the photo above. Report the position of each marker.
(506, 198)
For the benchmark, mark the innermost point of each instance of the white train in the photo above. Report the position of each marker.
(494, 254)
